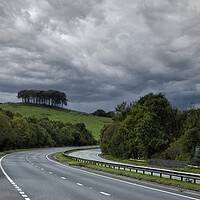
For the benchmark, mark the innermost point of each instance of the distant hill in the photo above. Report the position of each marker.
(92, 123)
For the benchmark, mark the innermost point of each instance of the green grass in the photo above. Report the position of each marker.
(186, 169)
(94, 124)
(124, 161)
(180, 184)
(2, 153)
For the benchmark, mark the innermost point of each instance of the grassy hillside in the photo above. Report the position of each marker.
(94, 124)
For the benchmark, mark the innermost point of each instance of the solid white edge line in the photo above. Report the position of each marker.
(134, 184)
(8, 177)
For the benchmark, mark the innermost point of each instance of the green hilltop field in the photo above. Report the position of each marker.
(93, 123)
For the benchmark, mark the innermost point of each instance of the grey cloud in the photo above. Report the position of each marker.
(101, 52)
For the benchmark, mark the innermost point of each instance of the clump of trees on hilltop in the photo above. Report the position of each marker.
(102, 113)
(50, 98)
(151, 128)
(18, 132)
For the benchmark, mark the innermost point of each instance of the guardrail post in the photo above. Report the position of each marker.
(160, 175)
(194, 180)
(151, 173)
(181, 178)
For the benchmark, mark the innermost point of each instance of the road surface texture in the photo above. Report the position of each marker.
(92, 154)
(32, 175)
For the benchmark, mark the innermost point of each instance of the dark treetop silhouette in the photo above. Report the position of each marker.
(42, 97)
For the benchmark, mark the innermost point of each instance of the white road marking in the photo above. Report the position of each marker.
(104, 193)
(42, 169)
(10, 180)
(24, 195)
(21, 192)
(63, 178)
(50, 173)
(118, 180)
(79, 184)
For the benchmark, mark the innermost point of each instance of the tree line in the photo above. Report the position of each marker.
(18, 132)
(41, 97)
(102, 113)
(151, 128)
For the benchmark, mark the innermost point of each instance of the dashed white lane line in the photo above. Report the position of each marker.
(42, 169)
(63, 178)
(129, 183)
(12, 182)
(79, 184)
(21, 193)
(50, 173)
(104, 193)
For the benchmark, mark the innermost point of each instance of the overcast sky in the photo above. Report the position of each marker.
(101, 52)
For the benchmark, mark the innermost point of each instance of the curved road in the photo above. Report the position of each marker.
(32, 175)
(93, 154)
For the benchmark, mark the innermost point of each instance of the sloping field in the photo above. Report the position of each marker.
(94, 124)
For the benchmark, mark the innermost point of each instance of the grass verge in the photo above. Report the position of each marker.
(124, 161)
(2, 153)
(187, 169)
(179, 184)
(12, 151)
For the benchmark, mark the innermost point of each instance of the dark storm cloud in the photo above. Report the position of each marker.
(101, 52)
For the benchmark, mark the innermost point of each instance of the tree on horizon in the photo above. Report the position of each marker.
(49, 98)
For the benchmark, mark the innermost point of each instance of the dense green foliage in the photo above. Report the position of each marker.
(41, 97)
(102, 113)
(17, 132)
(184, 147)
(151, 128)
(92, 123)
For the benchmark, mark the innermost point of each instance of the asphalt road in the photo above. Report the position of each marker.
(31, 175)
(92, 154)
